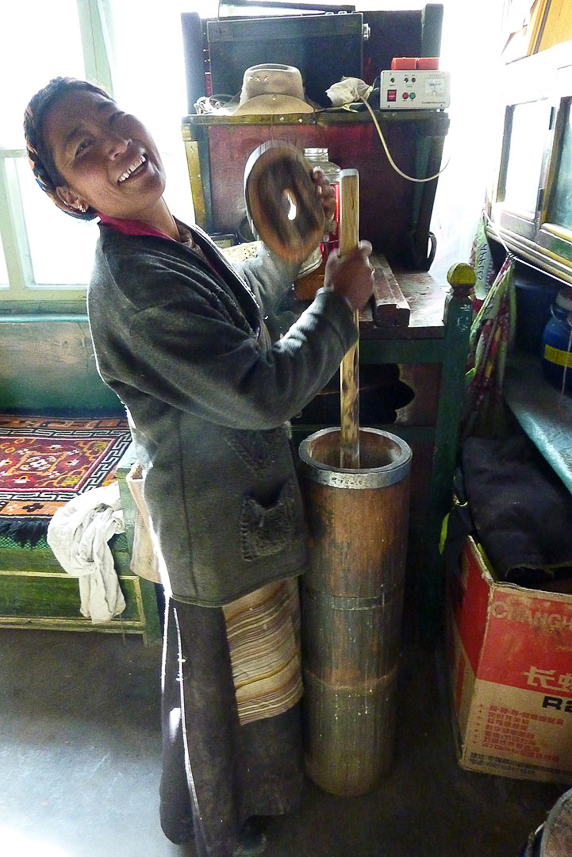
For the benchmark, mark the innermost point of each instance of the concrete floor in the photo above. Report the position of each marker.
(79, 767)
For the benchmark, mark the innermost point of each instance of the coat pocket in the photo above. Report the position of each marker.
(266, 530)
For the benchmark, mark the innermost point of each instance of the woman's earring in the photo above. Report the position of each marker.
(82, 208)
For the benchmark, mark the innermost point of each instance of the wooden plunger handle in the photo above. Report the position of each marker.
(349, 369)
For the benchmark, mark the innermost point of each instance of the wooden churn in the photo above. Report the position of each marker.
(356, 484)
(352, 606)
(356, 487)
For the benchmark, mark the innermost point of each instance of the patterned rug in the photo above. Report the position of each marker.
(45, 462)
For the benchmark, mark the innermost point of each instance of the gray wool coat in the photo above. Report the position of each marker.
(185, 346)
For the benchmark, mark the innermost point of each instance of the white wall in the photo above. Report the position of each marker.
(471, 46)
(470, 50)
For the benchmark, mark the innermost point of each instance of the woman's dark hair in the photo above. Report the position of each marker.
(39, 154)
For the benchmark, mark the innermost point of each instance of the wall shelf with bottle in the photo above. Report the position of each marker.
(538, 377)
(544, 413)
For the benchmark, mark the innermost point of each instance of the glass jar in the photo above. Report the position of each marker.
(319, 157)
(557, 342)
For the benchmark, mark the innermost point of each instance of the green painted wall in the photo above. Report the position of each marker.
(47, 362)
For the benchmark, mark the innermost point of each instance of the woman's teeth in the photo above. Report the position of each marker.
(132, 168)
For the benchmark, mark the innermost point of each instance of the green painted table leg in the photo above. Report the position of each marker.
(152, 634)
(458, 316)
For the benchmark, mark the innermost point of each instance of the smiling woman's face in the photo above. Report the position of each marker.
(106, 157)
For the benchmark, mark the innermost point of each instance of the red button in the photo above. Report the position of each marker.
(406, 95)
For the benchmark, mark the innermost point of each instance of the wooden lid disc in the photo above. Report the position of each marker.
(282, 202)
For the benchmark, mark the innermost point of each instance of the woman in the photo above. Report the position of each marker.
(181, 338)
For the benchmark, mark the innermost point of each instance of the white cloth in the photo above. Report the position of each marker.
(347, 90)
(78, 534)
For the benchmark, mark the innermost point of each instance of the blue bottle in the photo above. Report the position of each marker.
(557, 342)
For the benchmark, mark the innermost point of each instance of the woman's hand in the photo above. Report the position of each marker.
(351, 276)
(325, 191)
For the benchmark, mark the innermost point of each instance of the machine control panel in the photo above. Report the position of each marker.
(414, 89)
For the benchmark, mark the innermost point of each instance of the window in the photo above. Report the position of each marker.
(132, 52)
(525, 157)
(39, 257)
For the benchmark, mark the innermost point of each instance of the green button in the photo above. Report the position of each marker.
(411, 95)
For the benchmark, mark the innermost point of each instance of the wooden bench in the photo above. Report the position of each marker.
(48, 367)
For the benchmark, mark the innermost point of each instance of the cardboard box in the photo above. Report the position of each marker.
(510, 654)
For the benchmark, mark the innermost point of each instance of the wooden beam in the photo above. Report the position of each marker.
(390, 306)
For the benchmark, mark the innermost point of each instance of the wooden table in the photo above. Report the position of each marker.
(427, 354)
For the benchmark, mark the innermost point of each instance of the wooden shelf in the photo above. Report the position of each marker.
(542, 411)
